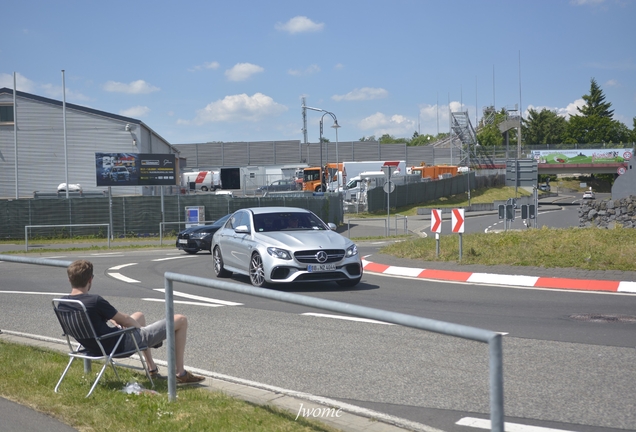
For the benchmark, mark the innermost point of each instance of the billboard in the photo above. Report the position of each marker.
(597, 156)
(135, 169)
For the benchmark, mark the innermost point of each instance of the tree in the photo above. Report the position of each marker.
(595, 124)
(369, 138)
(544, 127)
(421, 140)
(595, 103)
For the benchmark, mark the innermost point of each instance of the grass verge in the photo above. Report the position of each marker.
(30, 375)
(588, 249)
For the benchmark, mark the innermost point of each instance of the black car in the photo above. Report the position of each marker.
(280, 185)
(198, 238)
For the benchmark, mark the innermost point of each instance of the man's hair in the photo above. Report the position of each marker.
(80, 273)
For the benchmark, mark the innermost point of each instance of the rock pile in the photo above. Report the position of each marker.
(608, 213)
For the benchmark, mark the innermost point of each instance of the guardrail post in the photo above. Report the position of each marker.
(496, 384)
(172, 369)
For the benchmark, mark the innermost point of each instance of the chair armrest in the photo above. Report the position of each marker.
(117, 333)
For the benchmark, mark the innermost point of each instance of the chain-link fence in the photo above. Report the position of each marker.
(140, 216)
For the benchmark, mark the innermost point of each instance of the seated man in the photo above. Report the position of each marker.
(100, 311)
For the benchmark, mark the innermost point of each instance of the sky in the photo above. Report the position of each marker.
(237, 70)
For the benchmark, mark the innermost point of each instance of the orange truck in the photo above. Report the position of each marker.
(434, 171)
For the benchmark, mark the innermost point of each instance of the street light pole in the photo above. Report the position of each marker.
(336, 126)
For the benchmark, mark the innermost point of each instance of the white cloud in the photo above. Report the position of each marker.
(339, 66)
(365, 93)
(586, 2)
(299, 24)
(135, 112)
(22, 83)
(57, 92)
(135, 87)
(567, 112)
(395, 125)
(612, 83)
(310, 70)
(239, 107)
(206, 65)
(242, 71)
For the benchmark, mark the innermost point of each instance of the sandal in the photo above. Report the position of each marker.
(154, 374)
(189, 378)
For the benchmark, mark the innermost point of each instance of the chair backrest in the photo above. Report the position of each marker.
(74, 319)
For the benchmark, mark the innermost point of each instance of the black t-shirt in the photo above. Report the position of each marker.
(99, 312)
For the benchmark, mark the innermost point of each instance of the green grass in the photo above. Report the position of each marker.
(582, 248)
(29, 375)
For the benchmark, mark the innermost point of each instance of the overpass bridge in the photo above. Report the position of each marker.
(559, 159)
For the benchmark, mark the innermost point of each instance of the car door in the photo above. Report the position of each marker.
(237, 245)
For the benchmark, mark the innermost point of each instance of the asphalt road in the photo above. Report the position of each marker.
(559, 372)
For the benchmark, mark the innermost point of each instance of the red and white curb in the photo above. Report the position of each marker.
(500, 279)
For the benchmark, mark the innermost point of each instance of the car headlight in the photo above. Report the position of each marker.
(198, 236)
(279, 253)
(352, 251)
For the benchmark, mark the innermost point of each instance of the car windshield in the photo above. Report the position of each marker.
(287, 221)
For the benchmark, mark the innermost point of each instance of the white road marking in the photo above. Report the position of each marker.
(204, 299)
(123, 278)
(185, 302)
(33, 292)
(174, 257)
(508, 427)
(347, 318)
(108, 254)
(122, 266)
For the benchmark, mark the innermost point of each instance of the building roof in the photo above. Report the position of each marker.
(55, 102)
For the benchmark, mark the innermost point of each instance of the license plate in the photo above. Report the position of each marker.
(183, 241)
(320, 267)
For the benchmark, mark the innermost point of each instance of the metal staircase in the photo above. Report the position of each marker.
(465, 140)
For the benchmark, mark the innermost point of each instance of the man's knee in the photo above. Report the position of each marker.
(180, 322)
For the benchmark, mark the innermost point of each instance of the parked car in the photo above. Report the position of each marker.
(71, 188)
(545, 187)
(276, 245)
(199, 238)
(280, 185)
(588, 194)
(119, 173)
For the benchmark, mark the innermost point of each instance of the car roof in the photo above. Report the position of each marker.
(264, 210)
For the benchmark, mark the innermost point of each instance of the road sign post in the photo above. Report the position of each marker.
(436, 227)
(458, 227)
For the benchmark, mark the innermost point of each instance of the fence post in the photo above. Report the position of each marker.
(172, 369)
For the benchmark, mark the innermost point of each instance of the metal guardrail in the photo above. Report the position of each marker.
(465, 332)
(491, 338)
(26, 231)
(387, 224)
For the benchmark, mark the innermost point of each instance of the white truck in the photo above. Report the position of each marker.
(353, 169)
(361, 183)
(201, 180)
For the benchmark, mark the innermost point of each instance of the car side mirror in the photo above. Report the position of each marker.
(332, 226)
(242, 229)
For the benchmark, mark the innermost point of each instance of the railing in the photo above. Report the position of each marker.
(26, 231)
(491, 338)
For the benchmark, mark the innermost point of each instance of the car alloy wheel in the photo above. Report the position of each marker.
(219, 271)
(257, 272)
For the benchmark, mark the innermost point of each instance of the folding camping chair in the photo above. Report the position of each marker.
(76, 323)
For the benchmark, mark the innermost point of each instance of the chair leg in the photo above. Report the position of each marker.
(68, 366)
(99, 376)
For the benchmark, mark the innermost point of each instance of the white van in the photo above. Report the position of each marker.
(360, 183)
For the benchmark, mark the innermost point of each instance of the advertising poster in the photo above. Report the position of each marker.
(597, 156)
(135, 169)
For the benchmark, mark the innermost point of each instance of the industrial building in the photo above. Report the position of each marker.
(42, 139)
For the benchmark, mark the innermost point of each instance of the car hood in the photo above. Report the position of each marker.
(305, 239)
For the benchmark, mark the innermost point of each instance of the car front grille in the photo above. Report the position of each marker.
(309, 256)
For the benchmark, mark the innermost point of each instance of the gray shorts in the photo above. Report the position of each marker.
(148, 336)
